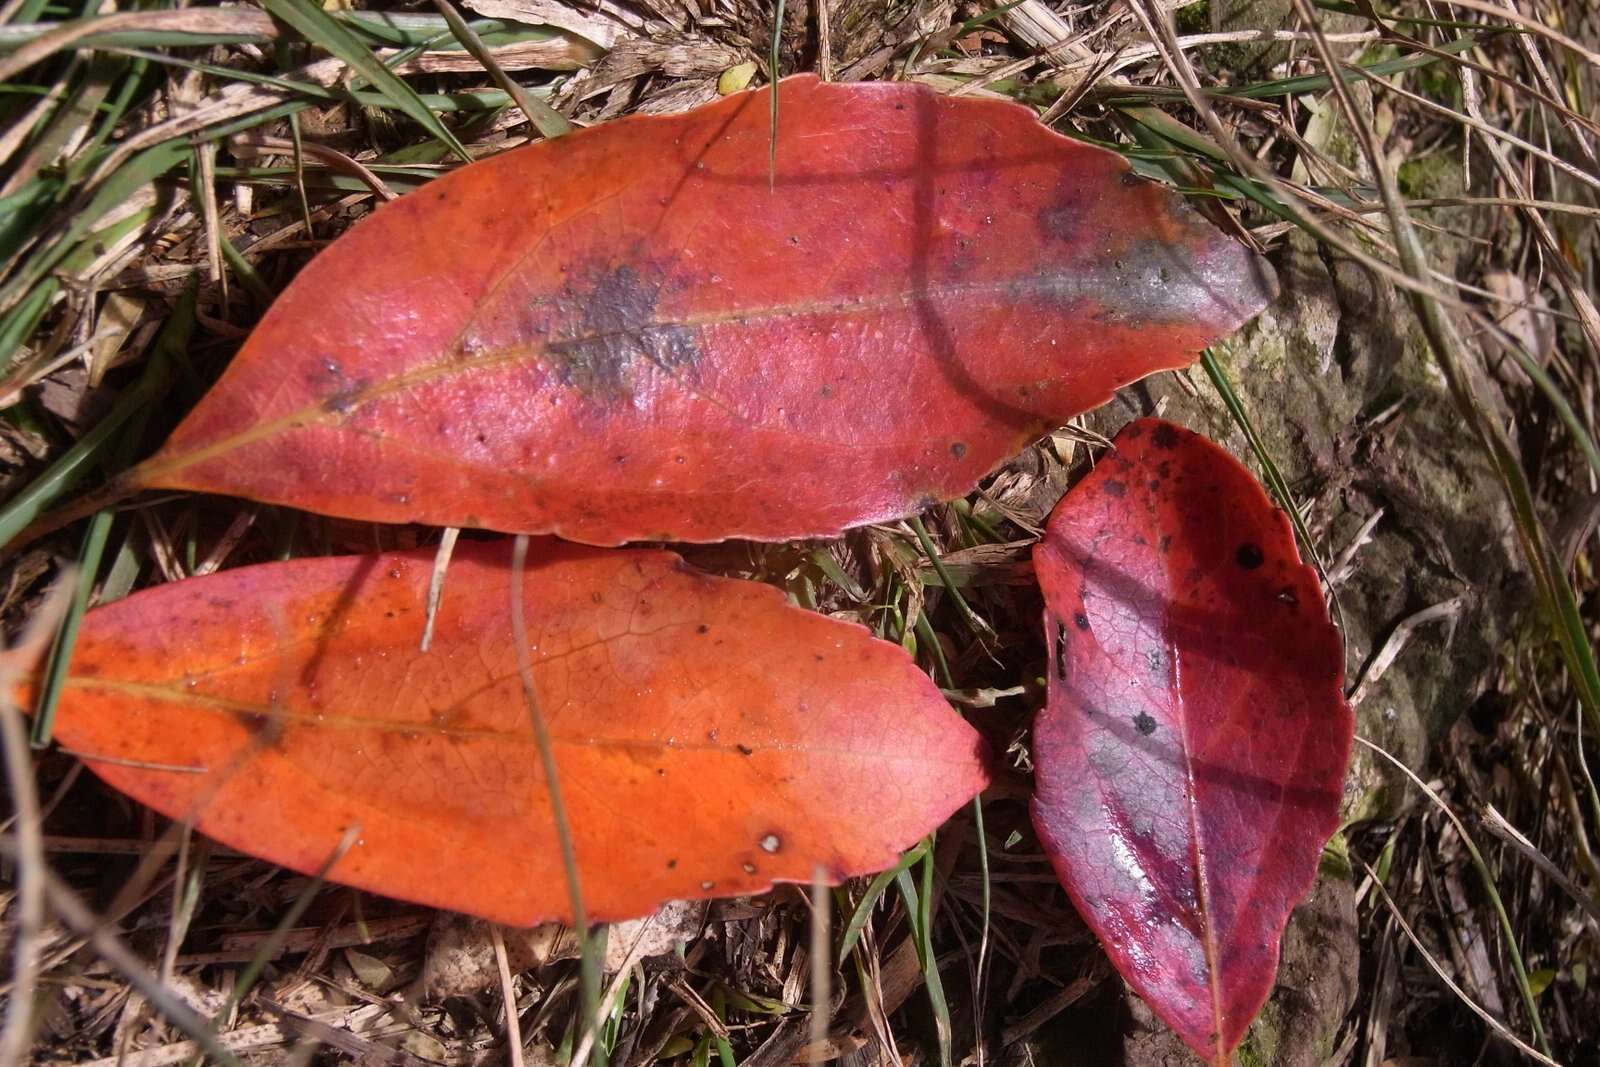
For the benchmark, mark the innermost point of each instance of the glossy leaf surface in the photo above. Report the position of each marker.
(637, 331)
(1192, 753)
(711, 739)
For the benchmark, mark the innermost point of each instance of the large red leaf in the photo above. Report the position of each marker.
(638, 331)
(1192, 753)
(711, 739)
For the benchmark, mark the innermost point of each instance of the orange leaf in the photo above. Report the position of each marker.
(711, 739)
(635, 332)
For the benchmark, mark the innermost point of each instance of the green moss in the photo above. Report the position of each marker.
(1436, 174)
(1261, 1042)
(1196, 18)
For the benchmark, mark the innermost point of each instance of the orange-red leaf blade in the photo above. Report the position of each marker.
(1191, 755)
(711, 739)
(637, 332)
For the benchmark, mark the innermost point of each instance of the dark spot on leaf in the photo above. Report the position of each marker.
(1165, 542)
(266, 729)
(1144, 723)
(672, 865)
(1116, 488)
(702, 629)
(745, 750)
(1060, 222)
(345, 400)
(1249, 556)
(616, 328)
(1155, 485)
(958, 449)
(1165, 437)
(1081, 621)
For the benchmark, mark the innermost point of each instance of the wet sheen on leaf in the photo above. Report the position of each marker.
(711, 739)
(638, 332)
(1192, 752)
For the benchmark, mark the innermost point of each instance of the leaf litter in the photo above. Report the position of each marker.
(750, 936)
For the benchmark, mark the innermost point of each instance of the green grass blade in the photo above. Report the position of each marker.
(546, 119)
(772, 139)
(55, 672)
(919, 905)
(248, 277)
(318, 26)
(62, 475)
(140, 170)
(875, 890)
(1269, 469)
(137, 403)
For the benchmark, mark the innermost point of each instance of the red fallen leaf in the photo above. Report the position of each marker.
(637, 332)
(1191, 756)
(711, 739)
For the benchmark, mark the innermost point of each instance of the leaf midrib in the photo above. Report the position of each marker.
(162, 464)
(342, 722)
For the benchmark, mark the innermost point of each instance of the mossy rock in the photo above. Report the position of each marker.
(1254, 61)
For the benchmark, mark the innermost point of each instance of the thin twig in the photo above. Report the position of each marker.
(508, 995)
(821, 958)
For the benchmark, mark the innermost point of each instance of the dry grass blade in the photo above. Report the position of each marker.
(1422, 950)
(17, 1036)
(508, 997)
(589, 1009)
(1501, 828)
(78, 918)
